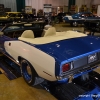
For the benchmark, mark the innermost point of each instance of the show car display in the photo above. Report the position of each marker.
(79, 18)
(56, 57)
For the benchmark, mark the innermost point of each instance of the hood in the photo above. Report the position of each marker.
(69, 48)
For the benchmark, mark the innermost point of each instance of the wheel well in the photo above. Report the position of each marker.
(20, 58)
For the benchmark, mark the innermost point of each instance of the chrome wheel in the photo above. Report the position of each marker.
(29, 74)
(26, 71)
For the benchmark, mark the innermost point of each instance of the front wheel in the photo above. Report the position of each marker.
(29, 74)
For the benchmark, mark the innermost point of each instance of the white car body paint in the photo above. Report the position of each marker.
(67, 16)
(70, 18)
(38, 59)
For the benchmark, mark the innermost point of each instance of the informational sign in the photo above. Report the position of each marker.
(28, 9)
(47, 8)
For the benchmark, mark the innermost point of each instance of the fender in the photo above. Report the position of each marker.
(43, 63)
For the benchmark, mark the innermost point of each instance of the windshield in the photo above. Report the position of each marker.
(12, 28)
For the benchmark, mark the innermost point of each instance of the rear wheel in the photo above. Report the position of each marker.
(29, 74)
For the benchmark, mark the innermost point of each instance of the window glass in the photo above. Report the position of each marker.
(12, 28)
(29, 26)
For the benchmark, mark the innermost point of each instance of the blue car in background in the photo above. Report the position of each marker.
(79, 18)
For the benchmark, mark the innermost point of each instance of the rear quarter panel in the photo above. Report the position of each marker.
(41, 61)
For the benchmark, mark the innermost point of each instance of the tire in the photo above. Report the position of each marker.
(29, 74)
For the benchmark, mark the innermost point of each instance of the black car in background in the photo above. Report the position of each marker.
(59, 17)
(14, 30)
(92, 26)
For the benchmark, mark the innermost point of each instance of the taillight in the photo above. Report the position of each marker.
(65, 67)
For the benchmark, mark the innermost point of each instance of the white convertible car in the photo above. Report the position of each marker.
(56, 56)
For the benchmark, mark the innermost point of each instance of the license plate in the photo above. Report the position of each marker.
(92, 58)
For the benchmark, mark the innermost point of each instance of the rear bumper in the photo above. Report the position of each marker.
(72, 74)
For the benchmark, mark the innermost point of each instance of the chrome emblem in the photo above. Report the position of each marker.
(92, 58)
